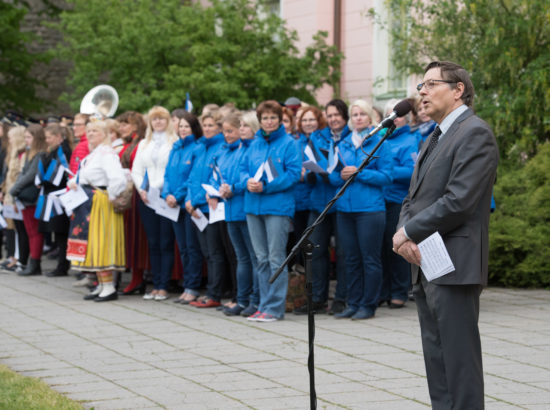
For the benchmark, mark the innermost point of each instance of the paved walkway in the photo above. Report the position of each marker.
(145, 354)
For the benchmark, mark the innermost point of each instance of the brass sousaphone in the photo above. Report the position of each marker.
(101, 102)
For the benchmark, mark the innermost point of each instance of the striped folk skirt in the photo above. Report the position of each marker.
(106, 248)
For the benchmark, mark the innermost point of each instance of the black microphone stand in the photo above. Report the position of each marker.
(305, 245)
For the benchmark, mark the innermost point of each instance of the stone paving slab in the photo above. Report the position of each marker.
(136, 354)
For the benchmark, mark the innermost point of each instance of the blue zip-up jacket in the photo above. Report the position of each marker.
(277, 197)
(322, 191)
(302, 191)
(201, 172)
(402, 147)
(365, 194)
(180, 163)
(228, 159)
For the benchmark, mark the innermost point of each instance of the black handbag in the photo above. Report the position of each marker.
(29, 194)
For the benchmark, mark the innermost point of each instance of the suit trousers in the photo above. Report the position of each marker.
(451, 343)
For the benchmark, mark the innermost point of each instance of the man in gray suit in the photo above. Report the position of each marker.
(450, 193)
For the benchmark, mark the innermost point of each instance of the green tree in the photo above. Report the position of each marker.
(17, 84)
(520, 226)
(153, 52)
(504, 44)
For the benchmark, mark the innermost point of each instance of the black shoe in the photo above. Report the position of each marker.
(112, 296)
(318, 307)
(53, 254)
(33, 268)
(57, 272)
(90, 296)
(338, 306)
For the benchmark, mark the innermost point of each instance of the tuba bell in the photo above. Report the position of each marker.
(101, 101)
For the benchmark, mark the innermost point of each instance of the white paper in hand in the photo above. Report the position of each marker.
(201, 221)
(217, 214)
(313, 167)
(10, 213)
(434, 258)
(210, 190)
(163, 209)
(73, 198)
(153, 198)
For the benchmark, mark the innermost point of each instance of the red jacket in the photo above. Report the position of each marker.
(79, 153)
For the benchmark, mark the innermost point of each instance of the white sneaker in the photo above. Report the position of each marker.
(160, 297)
(149, 296)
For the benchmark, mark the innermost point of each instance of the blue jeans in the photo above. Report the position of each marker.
(320, 261)
(361, 234)
(160, 237)
(247, 264)
(397, 271)
(186, 234)
(269, 235)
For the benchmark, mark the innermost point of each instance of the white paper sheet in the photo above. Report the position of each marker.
(153, 198)
(72, 199)
(210, 190)
(10, 213)
(3, 222)
(19, 205)
(434, 258)
(217, 214)
(163, 209)
(313, 167)
(201, 221)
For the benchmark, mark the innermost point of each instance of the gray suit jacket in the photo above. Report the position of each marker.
(451, 194)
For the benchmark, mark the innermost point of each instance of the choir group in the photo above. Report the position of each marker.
(221, 197)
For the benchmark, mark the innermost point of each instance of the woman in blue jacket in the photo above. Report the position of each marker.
(402, 148)
(183, 156)
(212, 238)
(311, 119)
(231, 189)
(271, 169)
(324, 142)
(361, 214)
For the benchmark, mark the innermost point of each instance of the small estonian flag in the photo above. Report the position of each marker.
(188, 103)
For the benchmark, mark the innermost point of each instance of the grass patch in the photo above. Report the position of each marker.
(20, 392)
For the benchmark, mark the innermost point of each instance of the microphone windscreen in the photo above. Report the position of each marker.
(402, 108)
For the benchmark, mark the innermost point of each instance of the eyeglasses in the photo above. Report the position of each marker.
(431, 84)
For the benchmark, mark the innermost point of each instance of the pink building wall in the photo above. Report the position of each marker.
(365, 46)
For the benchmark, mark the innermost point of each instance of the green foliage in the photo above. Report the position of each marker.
(18, 392)
(520, 226)
(153, 52)
(504, 44)
(17, 85)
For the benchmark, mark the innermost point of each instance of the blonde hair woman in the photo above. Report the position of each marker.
(96, 242)
(16, 149)
(148, 172)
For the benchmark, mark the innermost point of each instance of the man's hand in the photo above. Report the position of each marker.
(410, 252)
(399, 239)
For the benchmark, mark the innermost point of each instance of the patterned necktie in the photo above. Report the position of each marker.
(434, 139)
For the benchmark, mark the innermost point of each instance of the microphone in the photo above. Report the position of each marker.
(402, 108)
